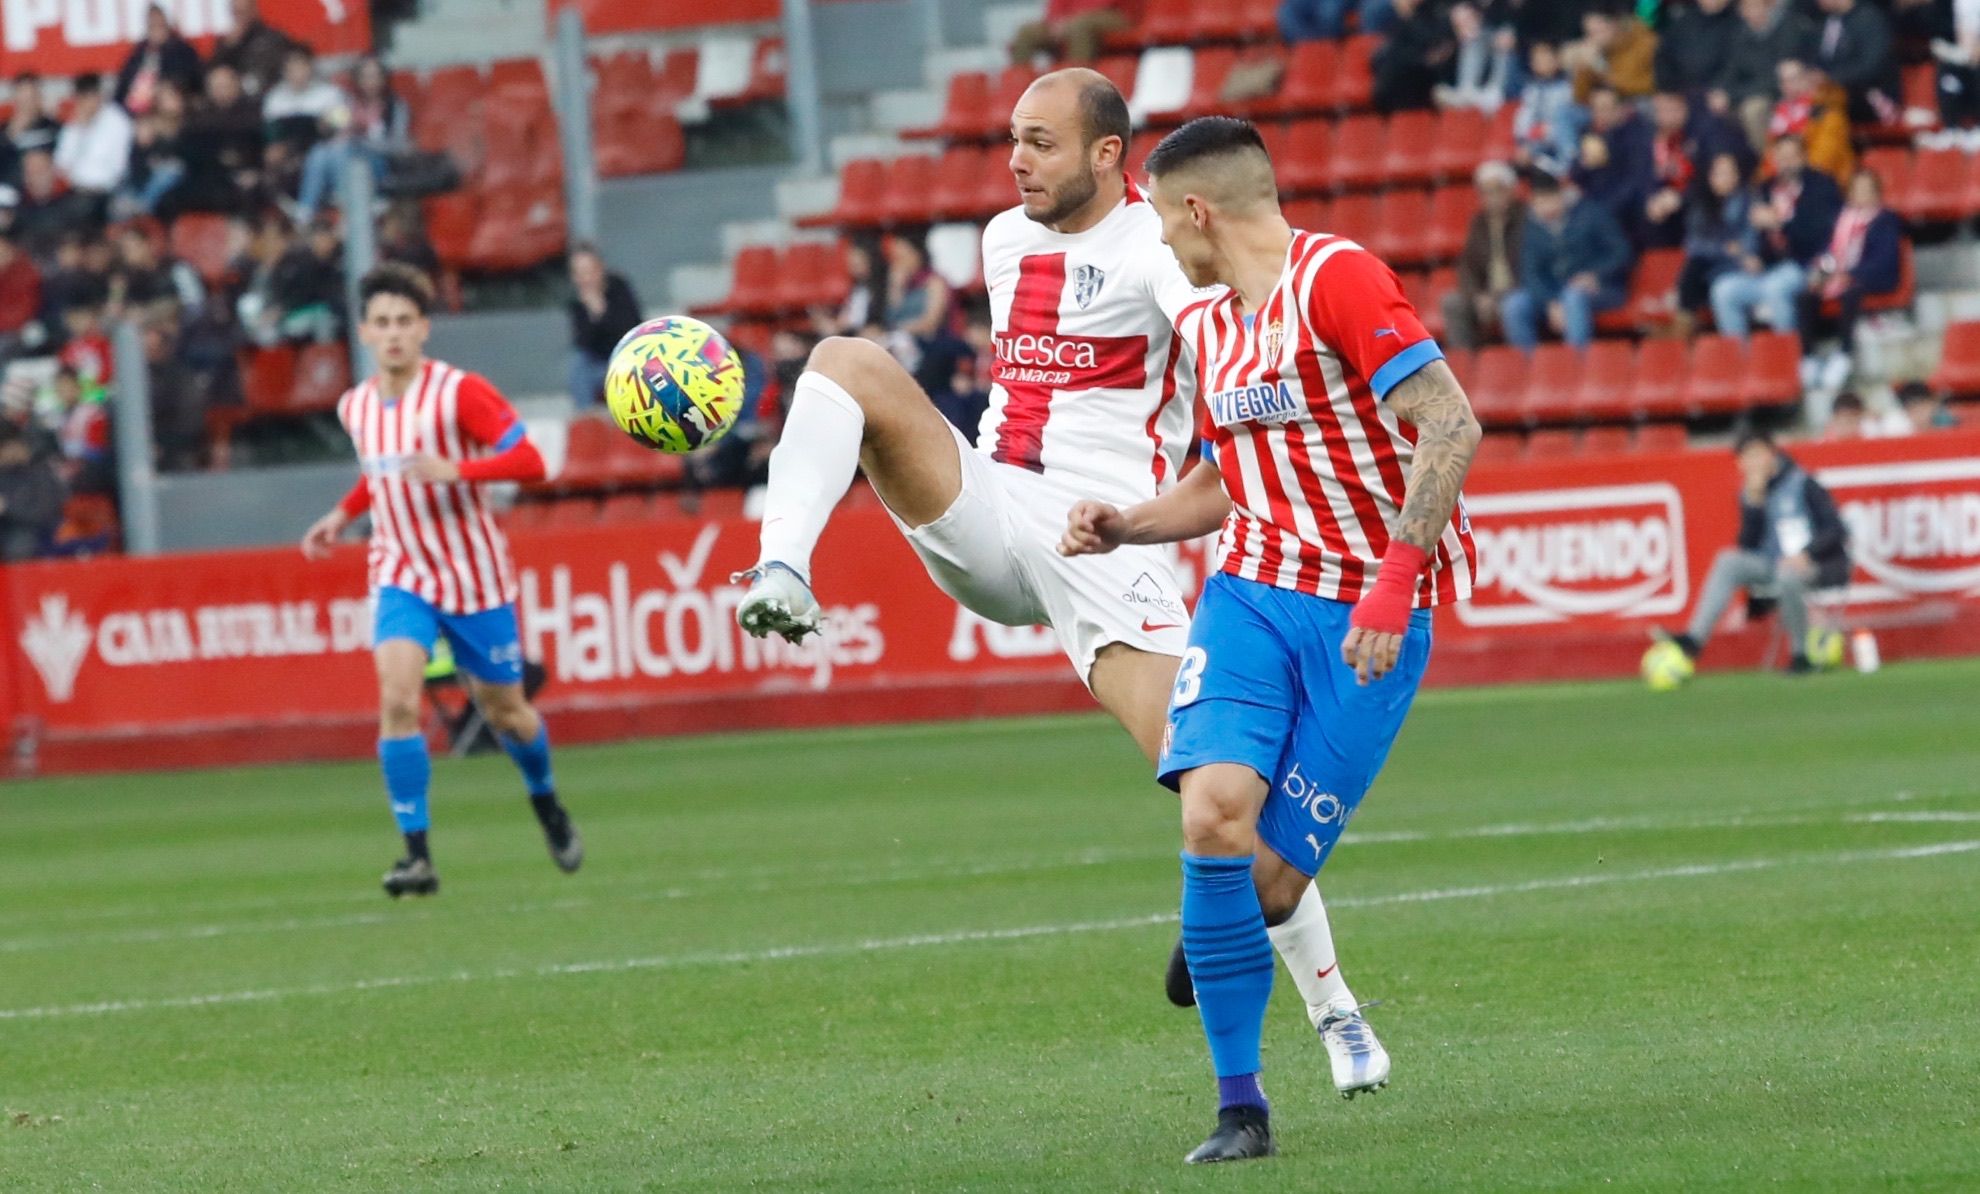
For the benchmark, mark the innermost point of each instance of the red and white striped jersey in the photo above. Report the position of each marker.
(438, 542)
(1315, 463)
(1088, 384)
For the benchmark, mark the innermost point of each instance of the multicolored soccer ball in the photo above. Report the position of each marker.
(1825, 647)
(1666, 667)
(674, 384)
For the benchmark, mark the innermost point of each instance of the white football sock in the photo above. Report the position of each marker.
(811, 468)
(1306, 942)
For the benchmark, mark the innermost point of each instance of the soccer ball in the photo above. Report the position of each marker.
(1666, 666)
(674, 384)
(1825, 647)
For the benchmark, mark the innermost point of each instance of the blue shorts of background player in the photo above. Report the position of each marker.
(487, 645)
(1263, 685)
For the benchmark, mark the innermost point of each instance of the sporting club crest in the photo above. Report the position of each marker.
(1087, 281)
(57, 641)
(1275, 339)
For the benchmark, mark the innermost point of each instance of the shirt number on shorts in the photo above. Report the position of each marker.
(1189, 678)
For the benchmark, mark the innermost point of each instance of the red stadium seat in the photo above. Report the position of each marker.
(752, 285)
(268, 377)
(1497, 386)
(1359, 151)
(519, 76)
(1459, 144)
(1958, 373)
(766, 74)
(1166, 22)
(1277, 138)
(1500, 447)
(1920, 91)
(1662, 437)
(1773, 370)
(589, 447)
(1429, 301)
(1652, 293)
(1307, 215)
(1206, 88)
(1258, 20)
(1142, 144)
(1712, 385)
(450, 223)
(1409, 141)
(1211, 23)
(1938, 187)
(1400, 236)
(1892, 165)
(519, 228)
(862, 197)
(957, 174)
(203, 240)
(965, 112)
(1004, 98)
(1605, 441)
(1553, 443)
(1451, 210)
(1354, 76)
(675, 79)
(812, 273)
(1355, 216)
(323, 373)
(623, 82)
(910, 187)
(634, 142)
(1553, 384)
(1307, 163)
(1659, 380)
(1308, 87)
(1970, 202)
(996, 190)
(1604, 393)
(1120, 70)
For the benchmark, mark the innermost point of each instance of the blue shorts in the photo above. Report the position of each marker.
(486, 645)
(1262, 684)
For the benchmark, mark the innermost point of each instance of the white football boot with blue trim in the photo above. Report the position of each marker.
(1359, 1060)
(779, 601)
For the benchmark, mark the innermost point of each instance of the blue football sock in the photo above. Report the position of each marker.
(408, 771)
(1230, 963)
(532, 759)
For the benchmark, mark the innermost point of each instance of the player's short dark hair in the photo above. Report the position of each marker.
(1749, 436)
(400, 280)
(87, 84)
(1204, 137)
(1103, 112)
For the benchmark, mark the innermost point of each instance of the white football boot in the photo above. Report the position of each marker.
(1360, 1062)
(778, 602)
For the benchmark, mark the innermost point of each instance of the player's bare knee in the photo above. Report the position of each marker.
(398, 711)
(1216, 821)
(864, 369)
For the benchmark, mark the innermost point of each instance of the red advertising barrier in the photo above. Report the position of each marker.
(70, 37)
(259, 655)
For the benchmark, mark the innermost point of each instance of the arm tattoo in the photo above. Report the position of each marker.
(1447, 434)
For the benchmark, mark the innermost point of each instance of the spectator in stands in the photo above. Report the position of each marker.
(1573, 264)
(29, 127)
(158, 160)
(401, 239)
(1416, 57)
(82, 432)
(1482, 68)
(1854, 46)
(1694, 46)
(789, 350)
(1791, 542)
(1769, 33)
(865, 302)
(72, 279)
(178, 401)
(1684, 139)
(1071, 31)
(968, 393)
(299, 296)
(1924, 410)
(253, 51)
(20, 302)
(376, 128)
(1719, 235)
(603, 308)
(1865, 259)
(31, 497)
(162, 57)
(1793, 219)
(1488, 268)
(1615, 165)
(44, 212)
(741, 460)
(921, 314)
(1547, 127)
(1325, 20)
(93, 152)
(301, 107)
(87, 347)
(1616, 50)
(223, 143)
(1846, 418)
(144, 282)
(1814, 109)
(1958, 55)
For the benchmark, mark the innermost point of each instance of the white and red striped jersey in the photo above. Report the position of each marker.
(1314, 462)
(438, 542)
(1087, 383)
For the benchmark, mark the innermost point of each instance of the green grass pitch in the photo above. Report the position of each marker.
(1724, 939)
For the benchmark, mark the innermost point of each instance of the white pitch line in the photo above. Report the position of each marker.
(957, 937)
(907, 871)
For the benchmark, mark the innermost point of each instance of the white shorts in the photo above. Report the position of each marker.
(996, 551)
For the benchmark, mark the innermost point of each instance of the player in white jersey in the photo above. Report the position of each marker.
(427, 435)
(1091, 396)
